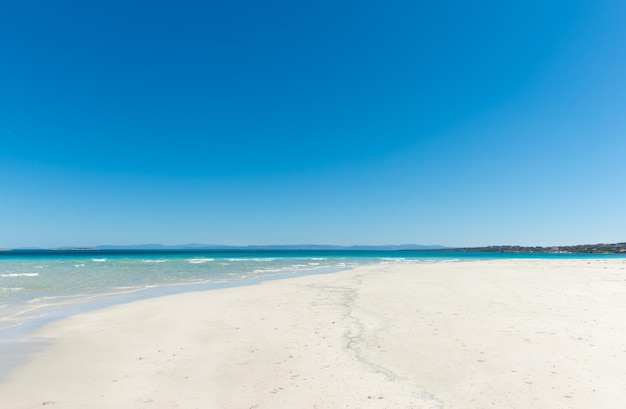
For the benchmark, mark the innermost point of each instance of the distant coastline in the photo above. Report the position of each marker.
(600, 248)
(217, 247)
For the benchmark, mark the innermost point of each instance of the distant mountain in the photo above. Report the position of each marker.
(154, 246)
(196, 246)
(615, 248)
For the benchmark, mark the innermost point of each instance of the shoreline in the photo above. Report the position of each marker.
(16, 343)
(34, 305)
(46, 313)
(536, 333)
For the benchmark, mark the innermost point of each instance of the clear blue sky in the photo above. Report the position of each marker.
(336, 122)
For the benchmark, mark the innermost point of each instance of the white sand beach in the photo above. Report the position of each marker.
(471, 334)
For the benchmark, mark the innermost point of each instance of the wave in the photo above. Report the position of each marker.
(252, 259)
(20, 275)
(11, 288)
(154, 261)
(268, 270)
(200, 260)
(99, 260)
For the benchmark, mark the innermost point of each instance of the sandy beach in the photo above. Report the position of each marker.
(521, 334)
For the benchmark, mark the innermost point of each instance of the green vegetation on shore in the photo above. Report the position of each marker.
(615, 248)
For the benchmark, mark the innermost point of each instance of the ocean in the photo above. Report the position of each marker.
(41, 285)
(37, 287)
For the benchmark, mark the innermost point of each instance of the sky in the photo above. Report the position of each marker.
(328, 122)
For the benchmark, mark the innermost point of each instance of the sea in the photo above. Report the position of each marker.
(40, 286)
(37, 286)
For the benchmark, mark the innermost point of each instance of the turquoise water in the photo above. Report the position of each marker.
(37, 287)
(39, 284)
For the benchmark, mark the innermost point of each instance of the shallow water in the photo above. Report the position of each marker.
(35, 285)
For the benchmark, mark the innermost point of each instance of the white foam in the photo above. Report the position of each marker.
(154, 261)
(11, 288)
(99, 260)
(268, 270)
(79, 265)
(20, 275)
(251, 259)
(200, 260)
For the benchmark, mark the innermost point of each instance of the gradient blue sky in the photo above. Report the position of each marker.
(336, 122)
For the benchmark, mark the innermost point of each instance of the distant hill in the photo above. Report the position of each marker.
(601, 248)
(195, 246)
